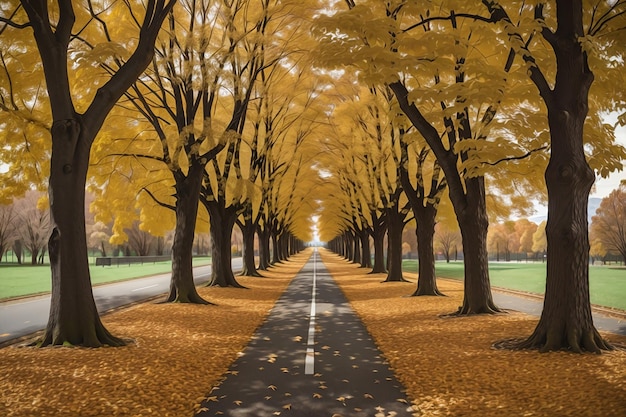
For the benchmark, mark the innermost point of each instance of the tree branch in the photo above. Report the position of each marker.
(159, 202)
(516, 158)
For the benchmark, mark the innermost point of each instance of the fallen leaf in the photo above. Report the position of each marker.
(272, 387)
(287, 406)
(268, 397)
(237, 402)
(368, 396)
(316, 395)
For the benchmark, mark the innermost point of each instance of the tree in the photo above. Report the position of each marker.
(609, 223)
(446, 240)
(424, 199)
(73, 316)
(33, 219)
(566, 321)
(540, 243)
(440, 96)
(7, 228)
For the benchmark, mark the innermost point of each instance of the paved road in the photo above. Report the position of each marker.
(311, 358)
(534, 306)
(28, 315)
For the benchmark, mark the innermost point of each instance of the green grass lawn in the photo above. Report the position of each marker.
(21, 280)
(607, 285)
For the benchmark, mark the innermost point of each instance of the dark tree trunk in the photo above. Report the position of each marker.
(264, 248)
(366, 254)
(348, 245)
(566, 321)
(73, 316)
(222, 221)
(473, 222)
(248, 229)
(275, 249)
(378, 235)
(425, 231)
(356, 241)
(283, 244)
(182, 287)
(395, 222)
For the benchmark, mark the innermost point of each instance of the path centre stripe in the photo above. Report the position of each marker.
(309, 360)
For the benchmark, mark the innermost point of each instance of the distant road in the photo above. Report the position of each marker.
(28, 315)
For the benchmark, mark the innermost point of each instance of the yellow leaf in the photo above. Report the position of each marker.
(316, 395)
(287, 406)
(272, 387)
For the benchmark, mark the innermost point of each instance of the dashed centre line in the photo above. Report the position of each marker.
(309, 361)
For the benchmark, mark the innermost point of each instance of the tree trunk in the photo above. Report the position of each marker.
(425, 231)
(264, 248)
(182, 287)
(395, 222)
(366, 254)
(566, 321)
(356, 241)
(248, 229)
(222, 221)
(275, 249)
(379, 229)
(473, 223)
(73, 316)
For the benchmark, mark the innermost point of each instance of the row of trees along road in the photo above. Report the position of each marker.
(476, 80)
(178, 133)
(223, 105)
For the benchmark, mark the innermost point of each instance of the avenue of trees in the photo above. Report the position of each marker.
(191, 117)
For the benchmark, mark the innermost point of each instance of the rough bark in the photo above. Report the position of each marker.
(395, 223)
(356, 241)
(366, 254)
(182, 287)
(378, 231)
(222, 221)
(566, 321)
(73, 315)
(473, 222)
(248, 229)
(425, 231)
(264, 248)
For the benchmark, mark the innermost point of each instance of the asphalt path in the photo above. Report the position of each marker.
(24, 316)
(312, 357)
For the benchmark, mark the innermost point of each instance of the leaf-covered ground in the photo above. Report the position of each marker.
(181, 351)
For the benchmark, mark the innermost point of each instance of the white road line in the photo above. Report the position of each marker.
(309, 360)
(144, 288)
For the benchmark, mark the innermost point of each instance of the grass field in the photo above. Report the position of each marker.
(21, 280)
(607, 285)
